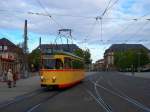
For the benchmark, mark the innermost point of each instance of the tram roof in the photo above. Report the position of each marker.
(64, 53)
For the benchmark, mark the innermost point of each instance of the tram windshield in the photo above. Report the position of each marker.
(52, 64)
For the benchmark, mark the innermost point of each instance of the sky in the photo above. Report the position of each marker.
(125, 21)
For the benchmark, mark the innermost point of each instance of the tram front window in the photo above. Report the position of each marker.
(52, 64)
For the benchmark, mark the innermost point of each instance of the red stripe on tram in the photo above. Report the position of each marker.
(60, 70)
(69, 84)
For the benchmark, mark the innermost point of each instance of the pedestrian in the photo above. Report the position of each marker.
(15, 77)
(4, 76)
(132, 70)
(9, 78)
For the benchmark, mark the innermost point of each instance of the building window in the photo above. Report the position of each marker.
(1, 48)
(5, 48)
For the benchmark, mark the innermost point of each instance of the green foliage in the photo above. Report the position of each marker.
(34, 59)
(79, 52)
(85, 54)
(77, 64)
(135, 58)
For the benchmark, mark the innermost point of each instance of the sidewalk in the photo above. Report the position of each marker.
(90, 73)
(23, 86)
(137, 74)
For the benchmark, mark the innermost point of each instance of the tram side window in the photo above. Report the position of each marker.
(77, 64)
(67, 63)
(59, 64)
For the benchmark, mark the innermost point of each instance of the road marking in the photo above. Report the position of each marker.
(136, 103)
(91, 94)
(20, 98)
(100, 98)
(131, 99)
(34, 107)
(43, 101)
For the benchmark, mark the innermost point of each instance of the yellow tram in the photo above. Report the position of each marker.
(61, 69)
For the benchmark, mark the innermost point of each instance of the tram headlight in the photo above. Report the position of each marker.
(53, 79)
(42, 77)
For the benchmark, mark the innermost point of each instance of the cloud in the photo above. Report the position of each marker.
(14, 12)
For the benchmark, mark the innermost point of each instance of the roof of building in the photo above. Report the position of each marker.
(4, 41)
(63, 47)
(100, 61)
(124, 47)
(11, 46)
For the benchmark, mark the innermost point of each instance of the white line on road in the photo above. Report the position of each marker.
(138, 104)
(33, 108)
(133, 100)
(91, 94)
(100, 98)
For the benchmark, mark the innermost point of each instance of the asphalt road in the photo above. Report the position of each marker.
(99, 92)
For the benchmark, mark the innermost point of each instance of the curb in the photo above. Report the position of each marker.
(2, 81)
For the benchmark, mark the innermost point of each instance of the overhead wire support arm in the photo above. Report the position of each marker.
(40, 14)
(101, 27)
(148, 19)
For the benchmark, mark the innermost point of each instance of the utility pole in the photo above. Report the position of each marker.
(100, 18)
(25, 37)
(40, 43)
(25, 49)
(139, 61)
(40, 65)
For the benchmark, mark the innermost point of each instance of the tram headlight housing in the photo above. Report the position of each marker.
(42, 77)
(53, 79)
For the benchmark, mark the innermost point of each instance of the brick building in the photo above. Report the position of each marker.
(11, 57)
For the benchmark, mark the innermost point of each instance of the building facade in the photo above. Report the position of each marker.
(11, 57)
(109, 53)
(99, 65)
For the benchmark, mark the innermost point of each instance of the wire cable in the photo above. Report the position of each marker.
(49, 15)
(105, 10)
(138, 30)
(113, 5)
(41, 5)
(91, 29)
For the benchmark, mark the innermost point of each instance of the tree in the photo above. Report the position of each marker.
(34, 59)
(132, 57)
(79, 52)
(85, 54)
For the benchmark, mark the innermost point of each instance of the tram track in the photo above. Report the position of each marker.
(113, 91)
(30, 103)
(97, 97)
(109, 108)
(20, 98)
(100, 102)
(33, 108)
(129, 99)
